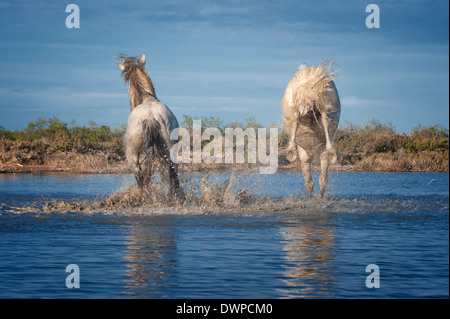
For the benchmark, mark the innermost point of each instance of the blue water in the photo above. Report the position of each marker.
(315, 249)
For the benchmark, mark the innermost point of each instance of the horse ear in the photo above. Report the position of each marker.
(121, 66)
(142, 59)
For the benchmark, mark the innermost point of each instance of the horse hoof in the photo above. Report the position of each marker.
(332, 156)
(291, 155)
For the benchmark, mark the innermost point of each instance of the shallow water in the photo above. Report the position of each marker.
(275, 244)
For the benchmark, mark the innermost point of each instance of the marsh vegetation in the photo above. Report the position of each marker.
(56, 145)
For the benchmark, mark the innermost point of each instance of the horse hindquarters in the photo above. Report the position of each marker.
(155, 143)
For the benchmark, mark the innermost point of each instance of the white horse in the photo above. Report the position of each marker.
(311, 111)
(147, 139)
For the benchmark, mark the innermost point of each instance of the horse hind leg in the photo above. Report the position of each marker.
(144, 172)
(176, 191)
(169, 176)
(148, 175)
(139, 173)
(331, 153)
(323, 181)
(291, 151)
(306, 170)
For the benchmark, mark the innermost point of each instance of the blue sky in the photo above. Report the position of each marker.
(231, 59)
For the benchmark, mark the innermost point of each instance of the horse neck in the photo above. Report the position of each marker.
(138, 94)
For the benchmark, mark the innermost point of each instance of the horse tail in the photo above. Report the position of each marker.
(152, 139)
(309, 86)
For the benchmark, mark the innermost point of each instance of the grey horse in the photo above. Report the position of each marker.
(147, 139)
(311, 110)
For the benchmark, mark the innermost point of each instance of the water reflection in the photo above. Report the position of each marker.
(309, 268)
(151, 257)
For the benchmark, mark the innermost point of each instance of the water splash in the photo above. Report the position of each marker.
(204, 194)
(216, 194)
(207, 193)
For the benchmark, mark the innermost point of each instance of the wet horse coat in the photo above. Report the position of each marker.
(147, 139)
(311, 110)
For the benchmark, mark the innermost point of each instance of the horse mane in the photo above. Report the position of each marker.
(309, 85)
(140, 86)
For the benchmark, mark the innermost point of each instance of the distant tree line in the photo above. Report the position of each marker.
(378, 147)
(55, 135)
